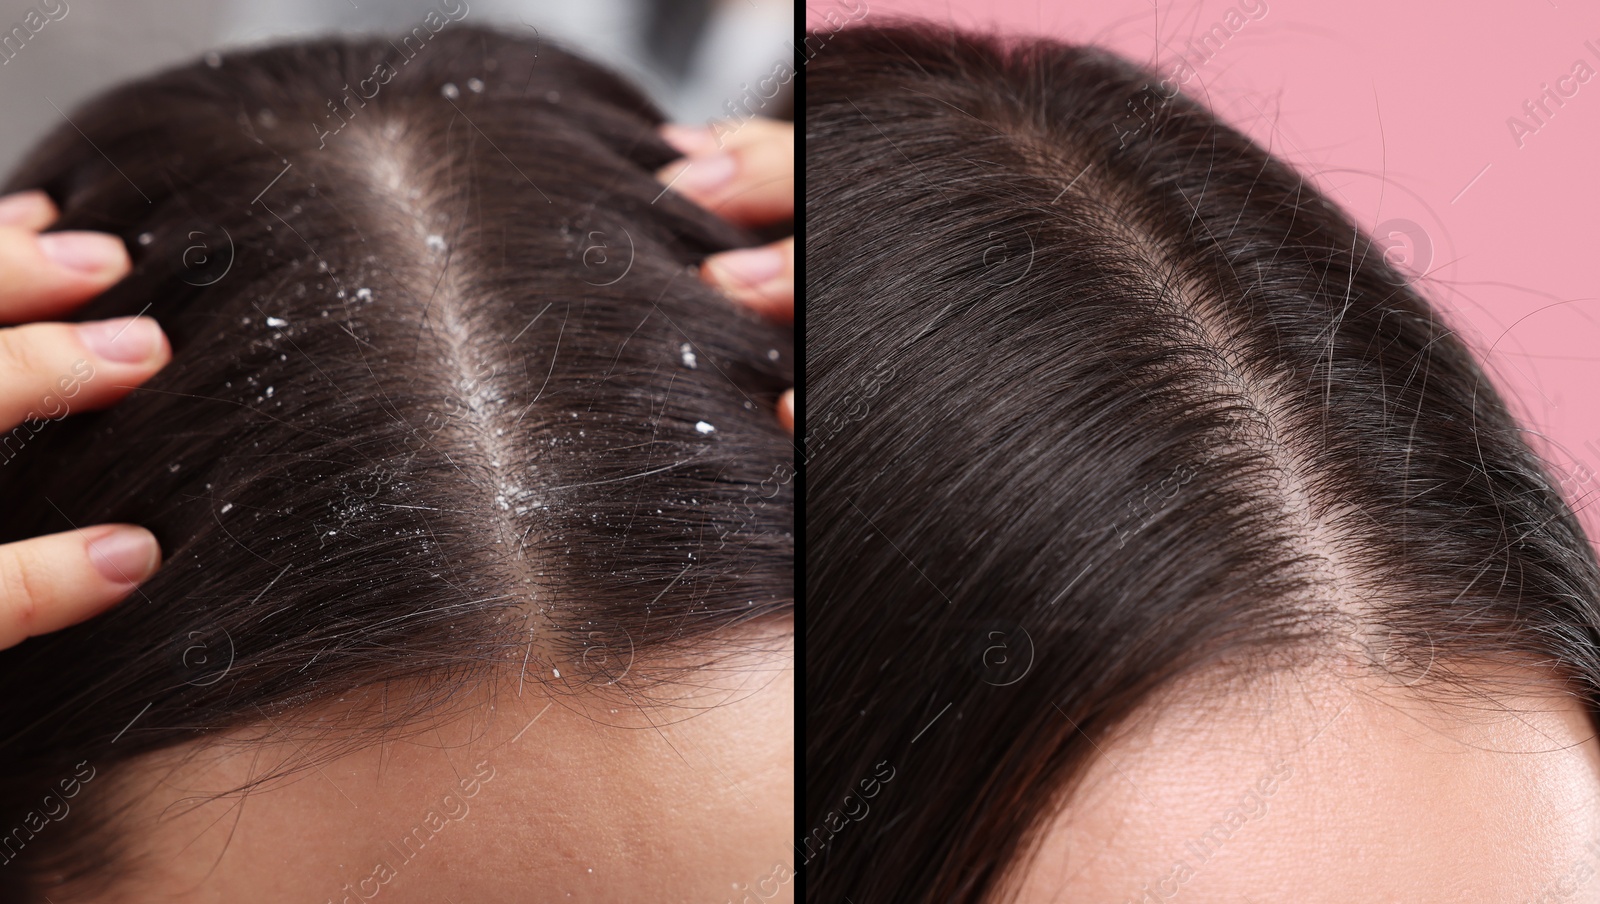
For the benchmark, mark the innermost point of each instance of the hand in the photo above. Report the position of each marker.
(48, 370)
(745, 172)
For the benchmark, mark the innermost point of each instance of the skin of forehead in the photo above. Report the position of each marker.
(1334, 785)
(533, 798)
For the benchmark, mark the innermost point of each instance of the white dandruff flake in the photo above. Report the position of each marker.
(475, 85)
(269, 392)
(450, 90)
(436, 243)
(146, 238)
(704, 427)
(363, 294)
(556, 672)
(277, 322)
(226, 508)
(689, 360)
(772, 354)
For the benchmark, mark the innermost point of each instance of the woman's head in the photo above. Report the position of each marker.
(1135, 464)
(451, 433)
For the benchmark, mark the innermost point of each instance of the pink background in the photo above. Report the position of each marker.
(1400, 112)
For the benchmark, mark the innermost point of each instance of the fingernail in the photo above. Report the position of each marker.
(688, 140)
(125, 340)
(747, 266)
(23, 207)
(125, 555)
(86, 252)
(786, 410)
(702, 175)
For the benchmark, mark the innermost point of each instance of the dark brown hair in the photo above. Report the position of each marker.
(447, 402)
(1093, 407)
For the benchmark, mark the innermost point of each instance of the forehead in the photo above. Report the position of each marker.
(531, 796)
(1303, 787)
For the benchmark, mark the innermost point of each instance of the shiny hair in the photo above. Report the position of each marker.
(447, 404)
(1102, 394)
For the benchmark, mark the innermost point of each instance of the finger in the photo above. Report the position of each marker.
(47, 583)
(49, 370)
(27, 210)
(748, 179)
(786, 411)
(726, 134)
(42, 275)
(762, 278)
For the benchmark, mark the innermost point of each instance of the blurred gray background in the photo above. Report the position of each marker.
(692, 56)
